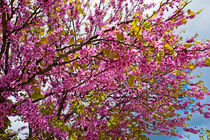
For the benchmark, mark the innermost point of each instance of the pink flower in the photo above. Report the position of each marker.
(207, 115)
(190, 40)
(186, 112)
(191, 130)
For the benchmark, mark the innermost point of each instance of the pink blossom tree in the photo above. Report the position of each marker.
(106, 69)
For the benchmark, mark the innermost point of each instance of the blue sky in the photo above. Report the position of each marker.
(198, 25)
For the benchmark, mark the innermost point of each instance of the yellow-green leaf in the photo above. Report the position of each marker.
(189, 116)
(190, 12)
(52, 15)
(188, 45)
(72, 32)
(62, 32)
(133, 30)
(137, 14)
(131, 79)
(176, 72)
(149, 58)
(76, 54)
(151, 81)
(191, 66)
(207, 61)
(23, 30)
(66, 59)
(44, 40)
(95, 66)
(199, 11)
(168, 47)
(147, 25)
(80, 10)
(136, 30)
(184, 21)
(73, 137)
(71, 41)
(172, 20)
(47, 110)
(154, 15)
(135, 21)
(57, 9)
(109, 124)
(41, 33)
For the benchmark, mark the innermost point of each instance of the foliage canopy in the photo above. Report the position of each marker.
(80, 69)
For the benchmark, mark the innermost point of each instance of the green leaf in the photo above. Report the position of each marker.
(48, 110)
(207, 61)
(159, 56)
(149, 58)
(147, 25)
(170, 108)
(199, 11)
(110, 54)
(142, 137)
(131, 79)
(109, 124)
(37, 93)
(145, 43)
(120, 36)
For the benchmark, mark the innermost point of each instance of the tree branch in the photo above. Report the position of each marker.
(4, 22)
